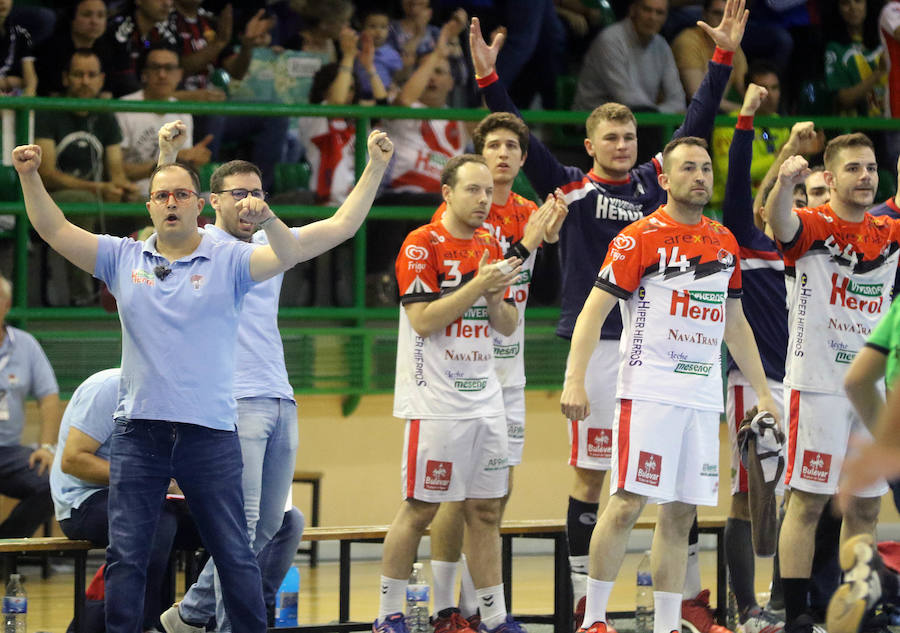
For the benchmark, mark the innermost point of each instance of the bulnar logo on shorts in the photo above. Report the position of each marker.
(816, 466)
(599, 443)
(649, 466)
(437, 475)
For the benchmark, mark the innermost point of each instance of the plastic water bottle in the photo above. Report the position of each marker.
(418, 596)
(286, 599)
(643, 609)
(15, 606)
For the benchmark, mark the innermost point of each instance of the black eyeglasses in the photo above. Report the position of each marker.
(161, 196)
(240, 193)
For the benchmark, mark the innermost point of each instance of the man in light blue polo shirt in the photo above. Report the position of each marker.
(179, 296)
(267, 412)
(79, 482)
(24, 371)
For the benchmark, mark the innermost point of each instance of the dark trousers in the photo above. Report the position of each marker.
(20, 482)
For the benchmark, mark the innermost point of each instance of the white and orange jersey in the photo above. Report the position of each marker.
(843, 273)
(507, 224)
(672, 280)
(449, 374)
(422, 149)
(330, 153)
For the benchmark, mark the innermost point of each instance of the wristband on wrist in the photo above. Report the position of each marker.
(487, 80)
(50, 448)
(721, 56)
(266, 222)
(744, 122)
(518, 250)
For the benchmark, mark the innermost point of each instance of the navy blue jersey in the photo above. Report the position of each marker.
(888, 208)
(598, 209)
(762, 267)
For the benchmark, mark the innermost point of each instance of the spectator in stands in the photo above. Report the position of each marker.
(17, 74)
(130, 34)
(413, 36)
(387, 60)
(322, 26)
(329, 142)
(160, 75)
(767, 141)
(693, 49)
(82, 151)
(817, 192)
(82, 163)
(629, 62)
(853, 67)
(82, 28)
(423, 146)
(889, 27)
(203, 37)
(24, 471)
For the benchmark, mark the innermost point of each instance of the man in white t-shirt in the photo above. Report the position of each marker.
(160, 76)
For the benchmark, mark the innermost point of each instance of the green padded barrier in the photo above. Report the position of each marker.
(9, 184)
(292, 176)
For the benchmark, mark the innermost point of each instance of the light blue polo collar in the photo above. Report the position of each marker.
(203, 250)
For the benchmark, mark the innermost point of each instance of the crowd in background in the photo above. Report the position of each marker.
(815, 57)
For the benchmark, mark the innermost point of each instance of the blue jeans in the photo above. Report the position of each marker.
(267, 428)
(145, 455)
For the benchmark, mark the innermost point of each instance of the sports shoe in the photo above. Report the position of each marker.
(596, 627)
(803, 624)
(578, 616)
(861, 589)
(172, 623)
(761, 621)
(394, 623)
(449, 621)
(698, 617)
(507, 626)
(474, 621)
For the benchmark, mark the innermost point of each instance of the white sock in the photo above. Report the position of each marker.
(468, 601)
(493, 606)
(579, 567)
(666, 612)
(597, 598)
(393, 597)
(443, 574)
(692, 574)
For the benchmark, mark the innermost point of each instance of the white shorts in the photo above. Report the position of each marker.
(453, 460)
(819, 428)
(591, 439)
(739, 399)
(514, 404)
(666, 452)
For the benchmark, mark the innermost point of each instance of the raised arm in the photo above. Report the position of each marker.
(428, 317)
(574, 400)
(543, 170)
(737, 206)
(779, 207)
(742, 346)
(72, 242)
(803, 140)
(318, 237)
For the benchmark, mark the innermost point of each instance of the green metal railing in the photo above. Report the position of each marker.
(372, 329)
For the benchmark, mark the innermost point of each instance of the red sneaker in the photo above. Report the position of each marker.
(596, 627)
(450, 621)
(698, 617)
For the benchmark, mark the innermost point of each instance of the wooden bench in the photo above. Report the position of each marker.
(314, 479)
(12, 548)
(554, 529)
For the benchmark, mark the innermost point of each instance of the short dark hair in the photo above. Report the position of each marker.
(757, 68)
(156, 46)
(448, 174)
(682, 140)
(845, 141)
(323, 79)
(84, 52)
(195, 179)
(500, 121)
(231, 168)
